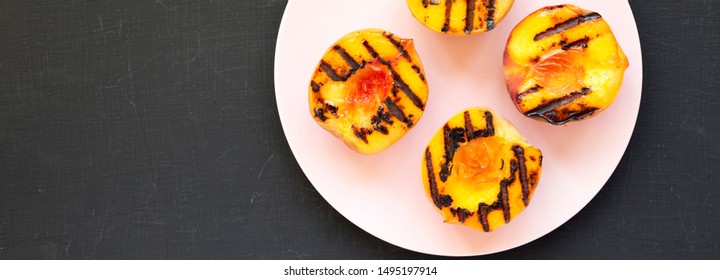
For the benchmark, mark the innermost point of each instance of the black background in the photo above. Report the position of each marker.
(149, 130)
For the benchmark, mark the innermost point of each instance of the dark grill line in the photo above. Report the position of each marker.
(320, 114)
(522, 173)
(333, 110)
(315, 87)
(489, 126)
(555, 103)
(505, 199)
(553, 118)
(379, 118)
(440, 201)
(417, 70)
(348, 59)
(550, 8)
(582, 43)
(398, 81)
(470, 16)
(452, 139)
(370, 49)
(482, 216)
(405, 55)
(471, 133)
(361, 133)
(406, 89)
(461, 213)
(529, 91)
(490, 20)
(398, 46)
(581, 114)
(381, 128)
(397, 112)
(565, 25)
(503, 196)
(425, 3)
(448, 11)
(330, 72)
(469, 129)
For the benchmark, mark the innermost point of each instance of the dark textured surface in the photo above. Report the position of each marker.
(148, 130)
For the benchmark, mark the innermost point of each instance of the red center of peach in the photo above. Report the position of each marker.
(371, 84)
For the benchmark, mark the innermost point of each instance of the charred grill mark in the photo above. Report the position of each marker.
(469, 16)
(522, 173)
(315, 87)
(378, 119)
(370, 49)
(565, 25)
(361, 133)
(330, 72)
(461, 213)
(381, 128)
(504, 199)
(417, 70)
(469, 129)
(440, 201)
(431, 178)
(582, 43)
(490, 20)
(397, 80)
(521, 95)
(471, 133)
(382, 116)
(445, 200)
(398, 45)
(425, 3)
(354, 66)
(333, 110)
(448, 11)
(399, 83)
(397, 112)
(489, 127)
(452, 138)
(546, 110)
(320, 114)
(483, 212)
(574, 116)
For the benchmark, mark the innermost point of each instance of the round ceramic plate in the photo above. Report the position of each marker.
(383, 193)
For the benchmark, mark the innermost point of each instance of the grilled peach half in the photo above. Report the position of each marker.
(369, 89)
(479, 171)
(459, 17)
(563, 63)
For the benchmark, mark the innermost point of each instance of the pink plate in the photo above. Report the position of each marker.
(383, 193)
